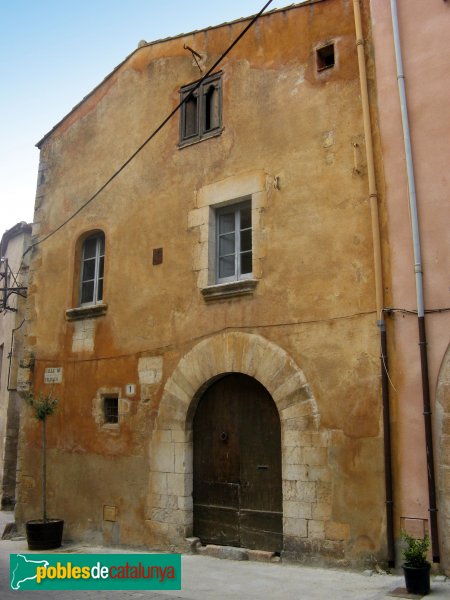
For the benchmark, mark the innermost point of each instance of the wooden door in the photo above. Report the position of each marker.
(237, 466)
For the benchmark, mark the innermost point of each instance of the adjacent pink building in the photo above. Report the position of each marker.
(423, 34)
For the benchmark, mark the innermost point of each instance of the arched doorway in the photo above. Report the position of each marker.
(237, 489)
(170, 503)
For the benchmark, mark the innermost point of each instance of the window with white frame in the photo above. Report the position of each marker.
(201, 113)
(234, 242)
(92, 269)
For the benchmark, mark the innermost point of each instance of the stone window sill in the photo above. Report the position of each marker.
(86, 312)
(223, 291)
(111, 427)
(197, 139)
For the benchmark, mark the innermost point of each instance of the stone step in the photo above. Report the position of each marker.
(231, 552)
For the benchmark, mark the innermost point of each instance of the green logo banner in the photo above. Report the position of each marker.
(95, 571)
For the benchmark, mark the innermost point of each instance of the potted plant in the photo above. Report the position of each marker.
(45, 533)
(416, 567)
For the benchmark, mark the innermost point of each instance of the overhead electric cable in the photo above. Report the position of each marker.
(152, 135)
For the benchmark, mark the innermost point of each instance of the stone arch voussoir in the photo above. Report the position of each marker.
(245, 353)
(170, 499)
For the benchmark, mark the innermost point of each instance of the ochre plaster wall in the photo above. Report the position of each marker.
(291, 131)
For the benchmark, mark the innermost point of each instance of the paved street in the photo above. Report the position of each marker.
(207, 578)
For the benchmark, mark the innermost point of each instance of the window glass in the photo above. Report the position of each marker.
(246, 240)
(246, 217)
(92, 269)
(226, 266)
(226, 222)
(227, 244)
(87, 292)
(246, 262)
(100, 290)
(101, 266)
(89, 269)
(89, 248)
(234, 242)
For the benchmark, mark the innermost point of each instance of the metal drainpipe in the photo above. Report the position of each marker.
(419, 286)
(373, 199)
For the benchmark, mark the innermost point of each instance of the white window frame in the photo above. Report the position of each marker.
(236, 210)
(100, 240)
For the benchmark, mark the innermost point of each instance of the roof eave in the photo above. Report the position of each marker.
(160, 41)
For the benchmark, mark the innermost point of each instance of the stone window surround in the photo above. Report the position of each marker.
(254, 185)
(98, 408)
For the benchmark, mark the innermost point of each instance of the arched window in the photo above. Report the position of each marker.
(92, 269)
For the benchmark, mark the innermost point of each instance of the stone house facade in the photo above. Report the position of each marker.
(14, 273)
(233, 252)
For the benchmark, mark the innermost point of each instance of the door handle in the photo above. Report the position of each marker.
(245, 484)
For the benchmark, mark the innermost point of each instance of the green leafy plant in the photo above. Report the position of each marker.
(415, 552)
(43, 406)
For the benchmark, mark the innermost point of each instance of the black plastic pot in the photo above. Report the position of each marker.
(417, 579)
(44, 535)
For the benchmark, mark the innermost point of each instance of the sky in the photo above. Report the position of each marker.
(54, 52)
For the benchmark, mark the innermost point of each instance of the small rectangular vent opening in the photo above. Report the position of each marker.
(325, 57)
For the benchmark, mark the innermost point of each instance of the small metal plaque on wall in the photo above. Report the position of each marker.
(109, 513)
(53, 375)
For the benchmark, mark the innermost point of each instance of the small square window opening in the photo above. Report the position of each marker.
(325, 57)
(111, 409)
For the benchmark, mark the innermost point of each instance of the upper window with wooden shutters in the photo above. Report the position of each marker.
(201, 112)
